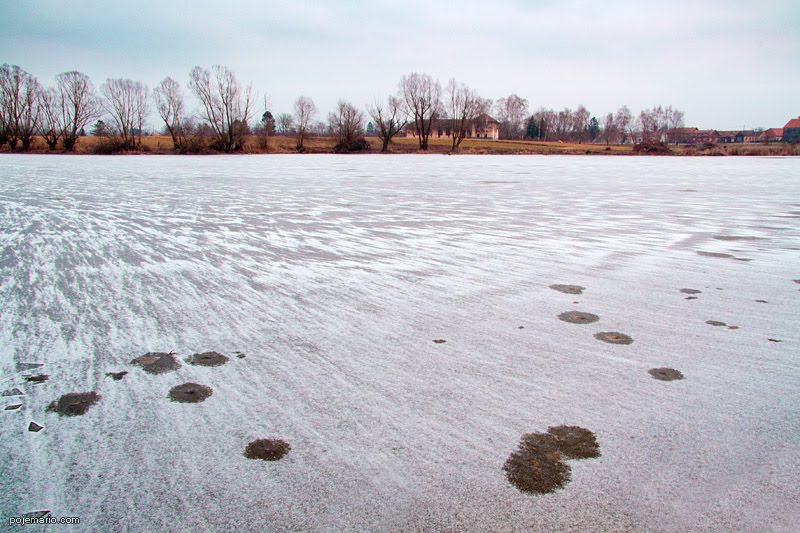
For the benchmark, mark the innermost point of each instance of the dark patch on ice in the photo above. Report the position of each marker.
(157, 362)
(691, 291)
(665, 374)
(207, 359)
(715, 323)
(745, 259)
(41, 378)
(21, 367)
(762, 301)
(496, 182)
(267, 449)
(733, 327)
(578, 317)
(796, 280)
(36, 514)
(774, 340)
(688, 190)
(439, 341)
(116, 376)
(715, 254)
(537, 466)
(520, 327)
(13, 392)
(74, 403)
(190, 393)
(575, 442)
(13, 407)
(691, 298)
(240, 355)
(34, 427)
(568, 289)
(737, 238)
(613, 337)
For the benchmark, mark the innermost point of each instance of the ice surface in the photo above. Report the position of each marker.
(334, 274)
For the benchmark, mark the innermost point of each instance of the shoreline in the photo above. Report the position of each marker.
(162, 145)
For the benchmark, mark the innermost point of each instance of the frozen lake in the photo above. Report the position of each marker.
(334, 274)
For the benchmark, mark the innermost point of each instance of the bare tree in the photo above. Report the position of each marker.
(511, 111)
(347, 123)
(304, 112)
(284, 123)
(226, 104)
(170, 106)
(464, 106)
(580, 121)
(127, 102)
(624, 119)
(422, 99)
(609, 128)
(79, 105)
(51, 125)
(20, 97)
(389, 120)
(674, 119)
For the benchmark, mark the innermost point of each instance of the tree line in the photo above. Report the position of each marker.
(225, 115)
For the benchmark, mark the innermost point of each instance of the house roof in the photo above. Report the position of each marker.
(777, 132)
(793, 123)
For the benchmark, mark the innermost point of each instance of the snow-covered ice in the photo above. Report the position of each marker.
(334, 275)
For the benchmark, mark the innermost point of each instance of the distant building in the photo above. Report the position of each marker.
(483, 127)
(791, 131)
(772, 135)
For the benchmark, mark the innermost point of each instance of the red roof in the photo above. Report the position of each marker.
(794, 123)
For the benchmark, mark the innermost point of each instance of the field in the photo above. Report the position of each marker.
(161, 144)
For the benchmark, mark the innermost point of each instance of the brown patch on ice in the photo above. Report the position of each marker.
(190, 393)
(733, 327)
(691, 291)
(21, 367)
(715, 254)
(613, 337)
(536, 466)
(116, 376)
(568, 289)
(737, 238)
(157, 362)
(41, 378)
(13, 407)
(665, 374)
(13, 392)
(715, 323)
(796, 280)
(34, 427)
(439, 341)
(575, 442)
(74, 403)
(207, 359)
(267, 449)
(578, 317)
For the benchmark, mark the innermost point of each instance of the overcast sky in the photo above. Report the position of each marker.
(727, 64)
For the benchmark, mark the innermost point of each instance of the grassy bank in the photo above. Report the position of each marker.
(162, 144)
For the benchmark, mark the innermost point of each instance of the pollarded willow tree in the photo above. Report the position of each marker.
(51, 125)
(169, 104)
(128, 103)
(78, 103)
(20, 94)
(227, 106)
(304, 112)
(463, 105)
(421, 96)
(389, 120)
